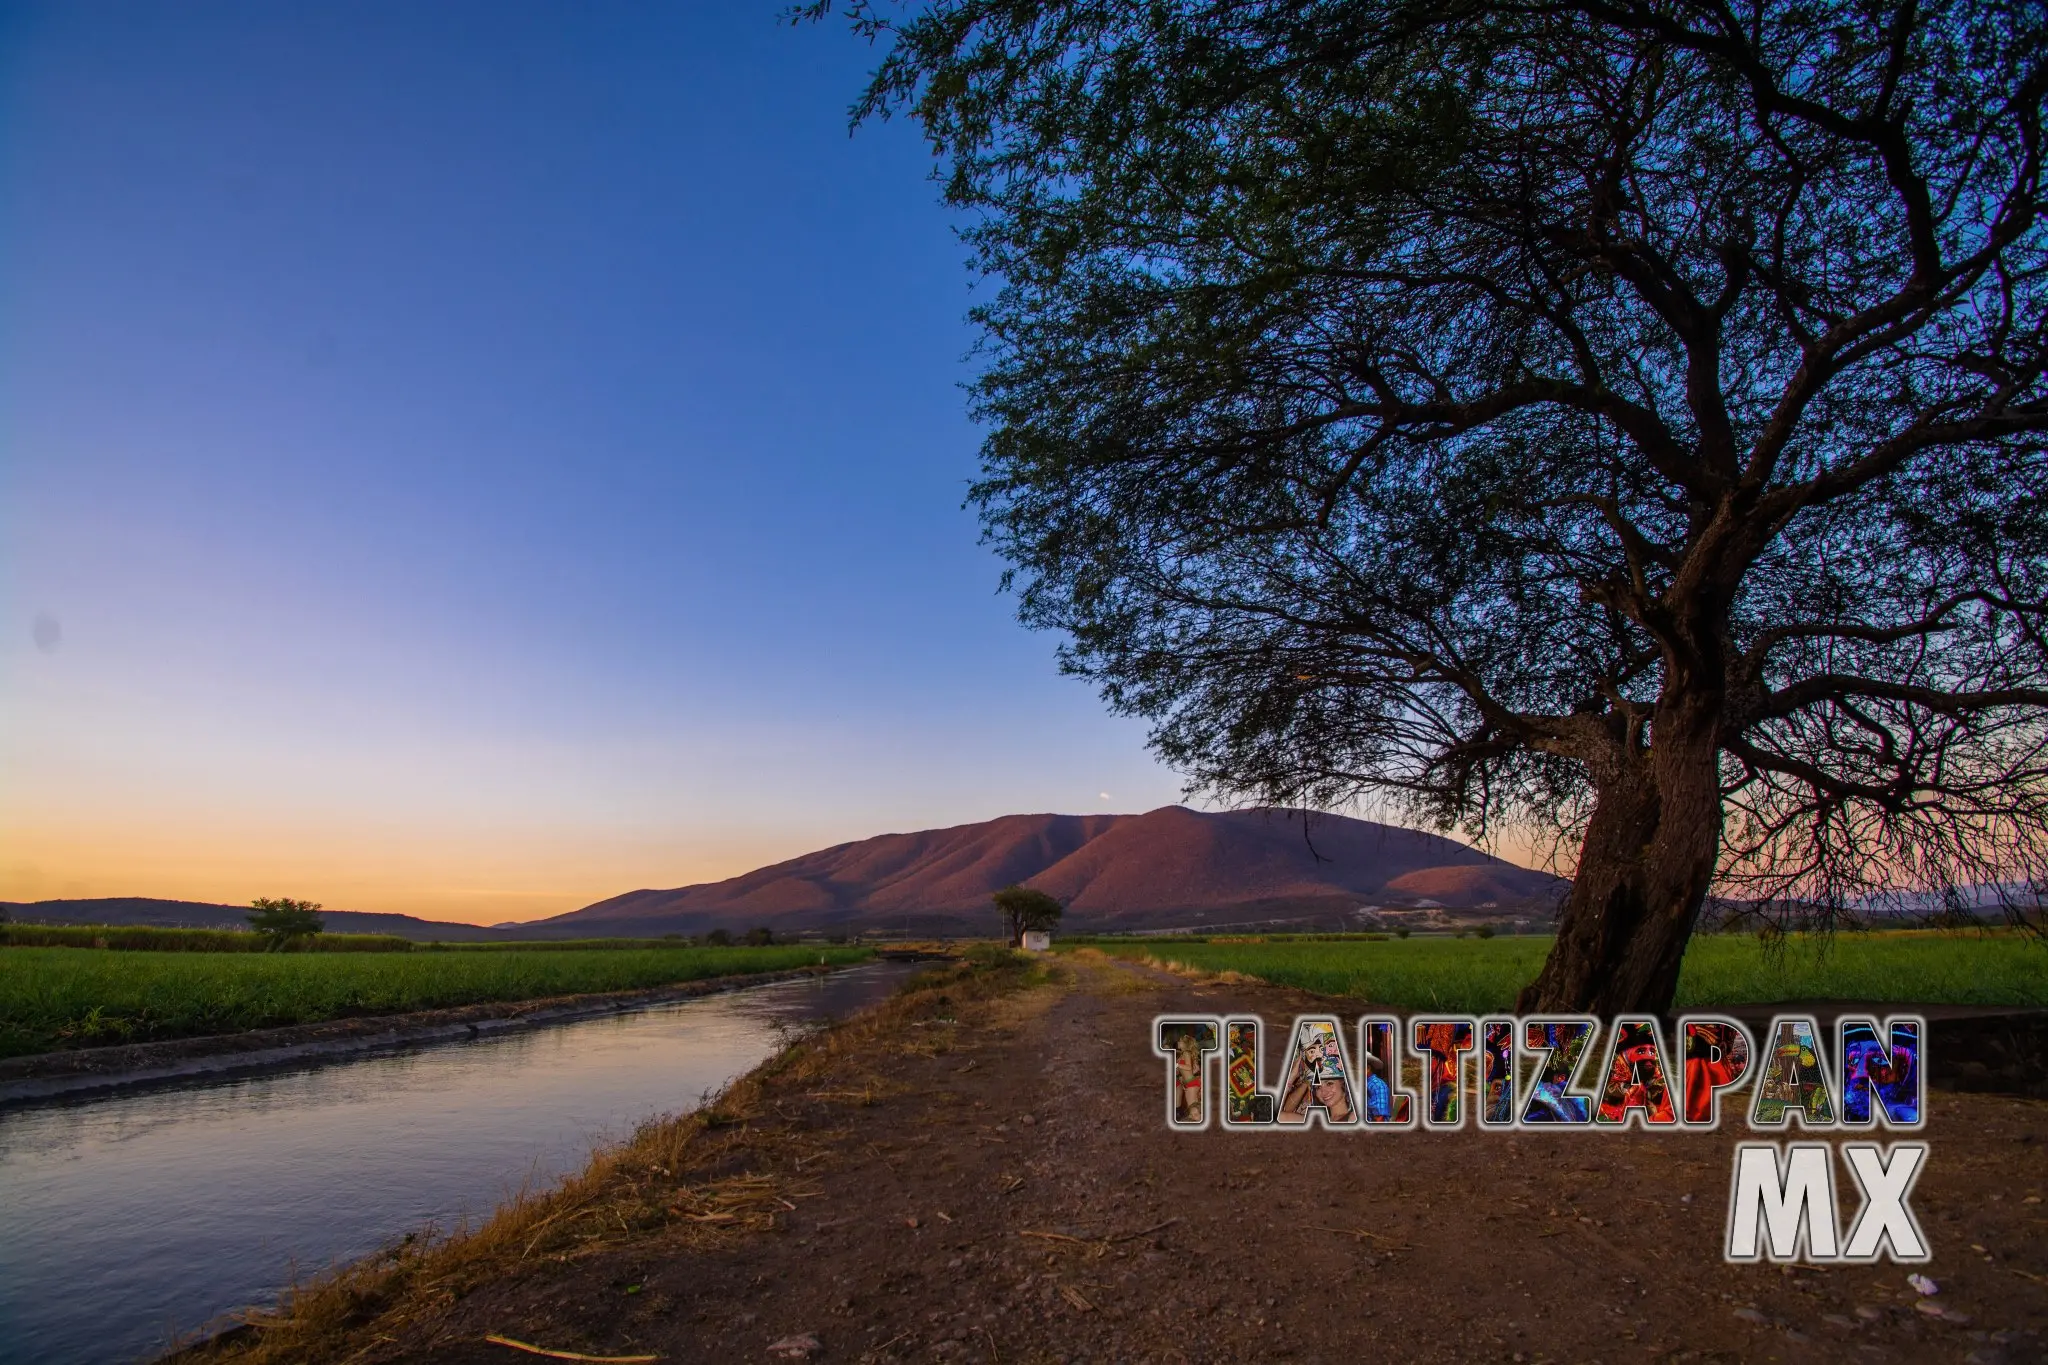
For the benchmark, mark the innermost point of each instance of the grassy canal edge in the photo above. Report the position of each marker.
(56, 1000)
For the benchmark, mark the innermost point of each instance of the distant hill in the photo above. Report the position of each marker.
(1168, 868)
(1172, 867)
(205, 915)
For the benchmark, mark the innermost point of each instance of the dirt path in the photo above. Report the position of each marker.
(1013, 1196)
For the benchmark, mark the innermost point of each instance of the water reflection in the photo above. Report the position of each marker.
(126, 1218)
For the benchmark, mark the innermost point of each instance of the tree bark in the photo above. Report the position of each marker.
(1644, 870)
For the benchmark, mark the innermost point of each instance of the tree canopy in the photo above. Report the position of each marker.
(1617, 417)
(284, 921)
(1024, 909)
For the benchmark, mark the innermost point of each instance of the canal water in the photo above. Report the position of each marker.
(132, 1218)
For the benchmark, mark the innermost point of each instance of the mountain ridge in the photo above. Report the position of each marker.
(1167, 868)
(1170, 867)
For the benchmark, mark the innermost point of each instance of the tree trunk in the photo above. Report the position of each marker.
(1644, 871)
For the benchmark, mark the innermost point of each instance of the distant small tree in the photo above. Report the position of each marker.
(760, 936)
(718, 938)
(284, 921)
(1024, 908)
(1955, 913)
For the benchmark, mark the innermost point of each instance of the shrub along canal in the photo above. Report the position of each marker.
(136, 1216)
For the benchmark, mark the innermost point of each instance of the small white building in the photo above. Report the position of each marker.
(1037, 941)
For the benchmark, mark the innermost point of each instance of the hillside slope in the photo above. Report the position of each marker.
(1167, 867)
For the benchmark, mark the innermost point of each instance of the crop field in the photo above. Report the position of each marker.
(1475, 975)
(150, 938)
(153, 938)
(54, 998)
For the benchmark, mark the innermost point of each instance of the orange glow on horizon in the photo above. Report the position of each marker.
(467, 877)
(469, 880)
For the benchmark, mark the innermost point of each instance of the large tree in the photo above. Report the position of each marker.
(1624, 418)
(1024, 909)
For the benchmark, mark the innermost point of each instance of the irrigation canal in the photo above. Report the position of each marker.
(134, 1217)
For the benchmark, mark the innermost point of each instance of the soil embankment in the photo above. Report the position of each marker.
(47, 1074)
(979, 1173)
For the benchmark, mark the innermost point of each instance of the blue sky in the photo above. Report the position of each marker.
(471, 459)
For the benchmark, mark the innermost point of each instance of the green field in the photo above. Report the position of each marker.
(1474, 975)
(63, 997)
(152, 938)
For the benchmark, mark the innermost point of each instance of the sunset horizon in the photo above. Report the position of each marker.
(277, 869)
(345, 556)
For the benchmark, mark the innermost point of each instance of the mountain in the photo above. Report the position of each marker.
(1172, 867)
(1168, 868)
(205, 915)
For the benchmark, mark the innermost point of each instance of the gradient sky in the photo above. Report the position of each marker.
(473, 459)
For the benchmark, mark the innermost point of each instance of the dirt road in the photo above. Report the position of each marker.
(1011, 1194)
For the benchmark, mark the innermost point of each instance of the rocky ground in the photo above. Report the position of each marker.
(992, 1180)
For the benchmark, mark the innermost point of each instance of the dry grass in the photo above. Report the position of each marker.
(1188, 971)
(733, 1168)
(1111, 975)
